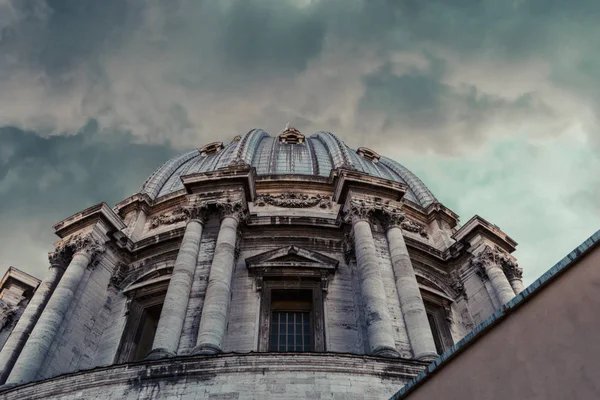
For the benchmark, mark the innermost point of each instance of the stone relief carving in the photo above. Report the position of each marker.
(348, 246)
(509, 266)
(294, 200)
(415, 227)
(118, 275)
(169, 218)
(458, 286)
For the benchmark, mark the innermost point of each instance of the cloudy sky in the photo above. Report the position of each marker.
(494, 104)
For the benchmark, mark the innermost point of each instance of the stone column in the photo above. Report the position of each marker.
(411, 302)
(514, 274)
(18, 337)
(488, 263)
(172, 316)
(86, 249)
(215, 312)
(379, 326)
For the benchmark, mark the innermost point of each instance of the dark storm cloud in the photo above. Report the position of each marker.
(44, 180)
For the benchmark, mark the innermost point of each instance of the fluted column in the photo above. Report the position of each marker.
(379, 326)
(411, 302)
(26, 369)
(488, 263)
(172, 316)
(215, 311)
(18, 337)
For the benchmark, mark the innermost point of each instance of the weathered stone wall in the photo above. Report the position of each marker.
(250, 376)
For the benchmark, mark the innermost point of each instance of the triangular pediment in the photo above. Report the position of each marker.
(290, 256)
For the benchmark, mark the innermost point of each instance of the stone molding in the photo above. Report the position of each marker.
(293, 200)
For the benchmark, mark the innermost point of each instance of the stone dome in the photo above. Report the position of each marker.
(290, 153)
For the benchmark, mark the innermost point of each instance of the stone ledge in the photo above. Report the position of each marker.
(185, 369)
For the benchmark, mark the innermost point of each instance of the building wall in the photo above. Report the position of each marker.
(546, 348)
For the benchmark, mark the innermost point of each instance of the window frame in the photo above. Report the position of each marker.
(316, 314)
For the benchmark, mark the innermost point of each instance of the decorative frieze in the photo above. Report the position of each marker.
(170, 218)
(294, 200)
(199, 211)
(415, 227)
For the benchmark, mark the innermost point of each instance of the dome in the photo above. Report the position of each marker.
(291, 153)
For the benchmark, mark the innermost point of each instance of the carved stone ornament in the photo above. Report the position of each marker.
(58, 259)
(293, 200)
(171, 217)
(358, 210)
(458, 286)
(348, 246)
(119, 274)
(233, 209)
(81, 243)
(199, 212)
(509, 265)
(415, 227)
(488, 257)
(391, 217)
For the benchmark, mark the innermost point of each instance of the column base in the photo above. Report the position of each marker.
(206, 349)
(388, 352)
(427, 356)
(157, 354)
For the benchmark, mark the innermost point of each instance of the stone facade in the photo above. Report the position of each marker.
(365, 277)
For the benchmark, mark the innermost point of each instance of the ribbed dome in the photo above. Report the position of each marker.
(314, 155)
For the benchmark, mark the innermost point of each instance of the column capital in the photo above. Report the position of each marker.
(392, 217)
(58, 259)
(485, 259)
(82, 243)
(358, 210)
(232, 208)
(197, 212)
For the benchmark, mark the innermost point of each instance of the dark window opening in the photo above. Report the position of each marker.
(146, 330)
(291, 320)
(437, 339)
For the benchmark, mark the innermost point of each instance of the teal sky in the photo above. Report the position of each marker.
(493, 104)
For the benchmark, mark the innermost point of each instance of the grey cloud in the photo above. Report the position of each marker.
(185, 70)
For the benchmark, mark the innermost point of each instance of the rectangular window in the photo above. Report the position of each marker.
(291, 317)
(290, 331)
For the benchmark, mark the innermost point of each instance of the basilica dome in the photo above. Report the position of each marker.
(285, 266)
(291, 153)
